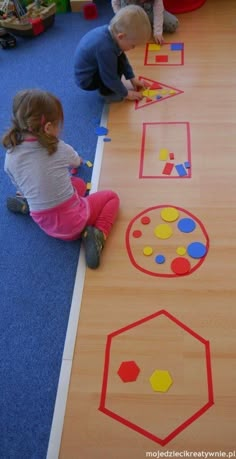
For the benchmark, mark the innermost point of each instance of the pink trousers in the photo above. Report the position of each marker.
(67, 220)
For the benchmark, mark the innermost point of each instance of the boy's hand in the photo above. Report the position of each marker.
(134, 95)
(138, 84)
(159, 39)
(144, 84)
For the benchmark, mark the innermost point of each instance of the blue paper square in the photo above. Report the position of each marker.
(176, 46)
(181, 170)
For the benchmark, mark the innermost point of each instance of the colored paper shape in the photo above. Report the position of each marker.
(155, 86)
(163, 155)
(163, 231)
(160, 259)
(180, 266)
(154, 47)
(186, 225)
(100, 130)
(128, 371)
(145, 220)
(161, 58)
(160, 380)
(152, 93)
(148, 251)
(145, 93)
(137, 233)
(181, 250)
(181, 170)
(176, 46)
(196, 250)
(168, 169)
(169, 214)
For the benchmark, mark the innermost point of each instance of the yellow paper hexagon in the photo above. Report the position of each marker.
(160, 380)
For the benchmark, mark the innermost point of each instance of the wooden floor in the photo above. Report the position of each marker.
(190, 314)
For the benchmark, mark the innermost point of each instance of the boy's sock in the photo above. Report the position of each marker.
(18, 205)
(93, 240)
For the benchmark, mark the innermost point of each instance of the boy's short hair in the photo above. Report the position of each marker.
(133, 21)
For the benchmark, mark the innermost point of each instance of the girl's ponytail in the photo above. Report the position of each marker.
(12, 137)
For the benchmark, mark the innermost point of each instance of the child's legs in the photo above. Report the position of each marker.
(112, 98)
(170, 22)
(79, 185)
(104, 207)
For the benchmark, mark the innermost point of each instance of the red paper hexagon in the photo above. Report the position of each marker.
(128, 371)
(134, 426)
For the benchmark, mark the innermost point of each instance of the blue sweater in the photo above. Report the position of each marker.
(98, 51)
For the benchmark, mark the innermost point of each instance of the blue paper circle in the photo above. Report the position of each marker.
(196, 250)
(186, 225)
(160, 259)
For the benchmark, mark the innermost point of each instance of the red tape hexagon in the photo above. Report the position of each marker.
(115, 415)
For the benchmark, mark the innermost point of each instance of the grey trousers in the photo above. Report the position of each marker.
(170, 22)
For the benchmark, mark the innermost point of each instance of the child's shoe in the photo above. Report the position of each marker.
(93, 240)
(18, 205)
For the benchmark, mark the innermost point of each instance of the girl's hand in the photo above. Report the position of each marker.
(134, 95)
(159, 39)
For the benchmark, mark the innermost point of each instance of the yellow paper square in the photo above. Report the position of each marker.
(163, 155)
(152, 92)
(145, 93)
(154, 47)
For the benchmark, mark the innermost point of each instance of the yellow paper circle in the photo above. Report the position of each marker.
(147, 250)
(181, 250)
(169, 214)
(163, 231)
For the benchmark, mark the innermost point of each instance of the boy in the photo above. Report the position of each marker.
(159, 18)
(100, 59)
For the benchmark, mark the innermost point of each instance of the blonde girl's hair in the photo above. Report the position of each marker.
(133, 21)
(32, 109)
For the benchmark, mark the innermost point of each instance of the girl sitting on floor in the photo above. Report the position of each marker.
(161, 20)
(37, 162)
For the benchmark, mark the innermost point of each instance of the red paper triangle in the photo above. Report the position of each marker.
(155, 86)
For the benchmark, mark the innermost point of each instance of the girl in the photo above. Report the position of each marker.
(37, 162)
(160, 19)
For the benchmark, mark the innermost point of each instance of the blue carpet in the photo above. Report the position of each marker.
(37, 273)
